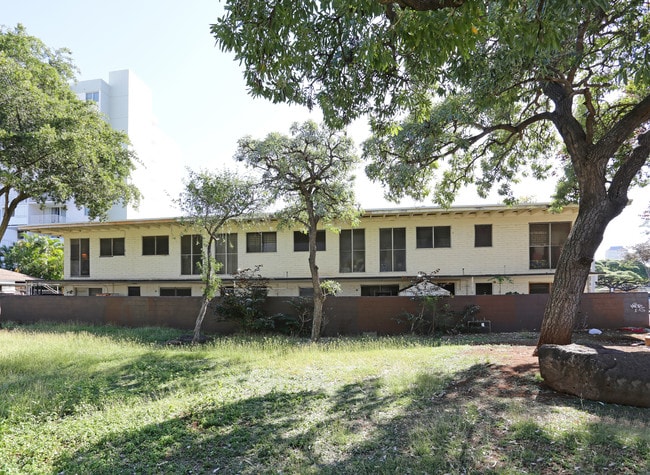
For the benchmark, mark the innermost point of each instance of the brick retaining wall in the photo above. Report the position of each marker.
(345, 315)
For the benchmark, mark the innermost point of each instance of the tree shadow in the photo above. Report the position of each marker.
(65, 387)
(442, 423)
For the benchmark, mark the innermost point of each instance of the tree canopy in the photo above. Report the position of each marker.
(468, 91)
(624, 275)
(311, 173)
(210, 200)
(481, 84)
(35, 255)
(53, 146)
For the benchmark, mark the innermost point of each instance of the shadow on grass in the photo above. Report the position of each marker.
(62, 387)
(479, 421)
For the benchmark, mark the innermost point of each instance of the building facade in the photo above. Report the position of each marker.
(469, 250)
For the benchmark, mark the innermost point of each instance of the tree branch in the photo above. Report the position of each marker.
(424, 5)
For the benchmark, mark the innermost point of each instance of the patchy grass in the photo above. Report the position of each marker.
(111, 400)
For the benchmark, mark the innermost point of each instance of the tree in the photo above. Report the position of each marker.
(493, 90)
(624, 276)
(53, 146)
(210, 200)
(35, 255)
(311, 173)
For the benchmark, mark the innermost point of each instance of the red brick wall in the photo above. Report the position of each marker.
(344, 315)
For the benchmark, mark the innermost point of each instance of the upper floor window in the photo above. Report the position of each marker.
(261, 242)
(392, 249)
(301, 241)
(436, 236)
(352, 250)
(92, 96)
(226, 253)
(483, 235)
(109, 247)
(79, 257)
(191, 252)
(546, 241)
(155, 245)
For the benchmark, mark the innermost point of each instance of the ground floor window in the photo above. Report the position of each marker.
(379, 290)
(306, 292)
(539, 288)
(134, 292)
(175, 292)
(93, 291)
(484, 288)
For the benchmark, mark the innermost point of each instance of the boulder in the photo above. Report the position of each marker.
(597, 373)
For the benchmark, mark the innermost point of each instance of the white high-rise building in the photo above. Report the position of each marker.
(126, 103)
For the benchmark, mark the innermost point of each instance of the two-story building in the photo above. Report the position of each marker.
(471, 249)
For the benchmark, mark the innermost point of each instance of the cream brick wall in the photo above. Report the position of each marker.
(461, 264)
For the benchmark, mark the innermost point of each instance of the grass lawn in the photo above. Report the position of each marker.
(95, 400)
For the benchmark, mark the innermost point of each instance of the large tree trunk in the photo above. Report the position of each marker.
(573, 269)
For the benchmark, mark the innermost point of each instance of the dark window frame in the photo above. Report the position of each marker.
(155, 245)
(191, 254)
(484, 288)
(80, 257)
(483, 235)
(175, 292)
(226, 251)
(111, 247)
(265, 243)
(352, 250)
(545, 241)
(392, 249)
(432, 237)
(301, 241)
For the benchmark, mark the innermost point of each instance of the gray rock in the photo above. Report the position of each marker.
(596, 373)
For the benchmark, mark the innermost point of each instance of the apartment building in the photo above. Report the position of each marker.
(470, 250)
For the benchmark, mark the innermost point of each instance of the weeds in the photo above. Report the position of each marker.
(109, 400)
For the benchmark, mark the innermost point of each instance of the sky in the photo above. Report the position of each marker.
(199, 96)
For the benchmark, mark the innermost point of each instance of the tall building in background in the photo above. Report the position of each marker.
(126, 103)
(616, 253)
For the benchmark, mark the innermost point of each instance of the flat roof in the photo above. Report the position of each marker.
(56, 229)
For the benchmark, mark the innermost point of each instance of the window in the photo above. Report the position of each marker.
(306, 292)
(155, 245)
(483, 235)
(436, 236)
(175, 292)
(301, 241)
(57, 214)
(109, 247)
(379, 290)
(191, 247)
(352, 250)
(484, 288)
(392, 249)
(226, 253)
(261, 242)
(95, 291)
(134, 291)
(539, 288)
(546, 241)
(79, 257)
(92, 96)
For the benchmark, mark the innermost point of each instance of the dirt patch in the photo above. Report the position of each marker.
(510, 369)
